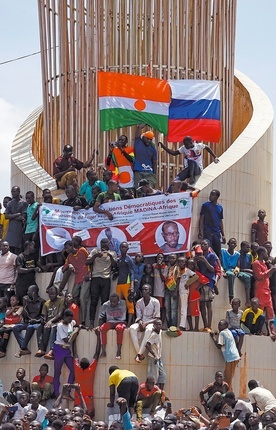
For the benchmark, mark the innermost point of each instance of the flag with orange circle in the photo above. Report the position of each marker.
(126, 100)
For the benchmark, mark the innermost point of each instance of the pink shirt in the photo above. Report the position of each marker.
(7, 268)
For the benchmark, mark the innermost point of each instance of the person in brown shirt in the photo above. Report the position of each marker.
(214, 391)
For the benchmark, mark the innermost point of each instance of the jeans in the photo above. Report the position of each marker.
(214, 239)
(99, 288)
(24, 340)
(193, 169)
(156, 370)
(171, 305)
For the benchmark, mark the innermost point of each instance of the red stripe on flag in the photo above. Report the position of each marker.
(207, 130)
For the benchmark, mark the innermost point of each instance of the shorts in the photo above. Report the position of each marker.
(193, 308)
(206, 294)
(236, 332)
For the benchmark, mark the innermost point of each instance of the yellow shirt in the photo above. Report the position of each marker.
(118, 375)
(246, 312)
(4, 223)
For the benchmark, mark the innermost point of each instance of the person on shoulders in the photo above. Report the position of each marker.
(65, 166)
(193, 164)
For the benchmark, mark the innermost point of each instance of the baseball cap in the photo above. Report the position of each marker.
(68, 148)
(148, 135)
(170, 418)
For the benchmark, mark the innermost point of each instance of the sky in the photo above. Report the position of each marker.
(20, 81)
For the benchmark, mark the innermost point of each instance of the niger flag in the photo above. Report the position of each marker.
(129, 99)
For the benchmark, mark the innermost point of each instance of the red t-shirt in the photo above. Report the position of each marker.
(143, 392)
(78, 261)
(76, 312)
(47, 378)
(85, 377)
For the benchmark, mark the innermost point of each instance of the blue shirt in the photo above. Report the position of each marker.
(213, 214)
(125, 268)
(145, 156)
(229, 349)
(86, 189)
(229, 261)
(245, 261)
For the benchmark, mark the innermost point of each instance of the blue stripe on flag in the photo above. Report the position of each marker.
(194, 109)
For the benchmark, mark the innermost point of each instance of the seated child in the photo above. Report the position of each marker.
(233, 317)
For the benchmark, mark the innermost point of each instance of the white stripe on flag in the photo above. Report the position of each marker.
(160, 108)
(192, 89)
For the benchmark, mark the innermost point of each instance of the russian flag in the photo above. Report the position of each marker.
(194, 110)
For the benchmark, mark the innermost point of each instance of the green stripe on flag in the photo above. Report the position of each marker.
(116, 118)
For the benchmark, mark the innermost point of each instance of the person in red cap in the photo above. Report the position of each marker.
(65, 166)
(145, 164)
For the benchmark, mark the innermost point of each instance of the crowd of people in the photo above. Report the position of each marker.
(170, 293)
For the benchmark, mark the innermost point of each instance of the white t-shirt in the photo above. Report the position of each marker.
(242, 406)
(64, 331)
(183, 279)
(155, 340)
(194, 153)
(263, 398)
